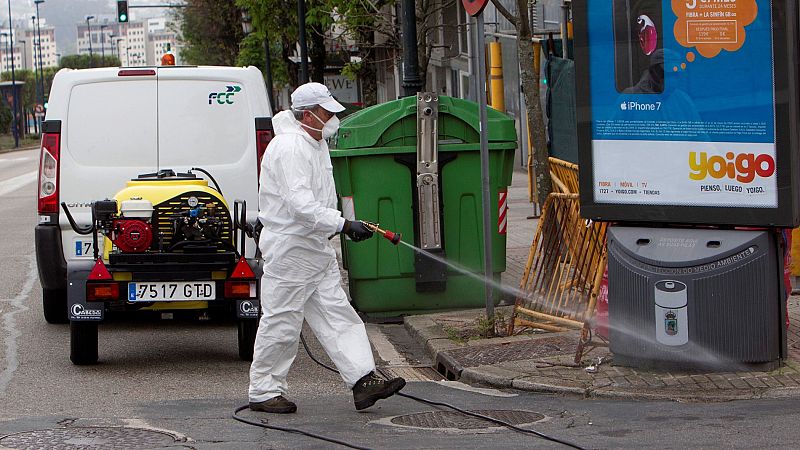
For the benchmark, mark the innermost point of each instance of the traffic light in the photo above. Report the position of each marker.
(122, 11)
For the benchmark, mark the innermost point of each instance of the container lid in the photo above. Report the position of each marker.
(394, 124)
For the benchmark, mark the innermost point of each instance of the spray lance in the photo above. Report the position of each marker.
(391, 236)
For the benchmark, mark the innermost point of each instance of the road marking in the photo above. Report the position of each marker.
(465, 387)
(13, 184)
(9, 326)
(14, 160)
(385, 349)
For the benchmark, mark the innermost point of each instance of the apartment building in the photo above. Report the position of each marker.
(135, 43)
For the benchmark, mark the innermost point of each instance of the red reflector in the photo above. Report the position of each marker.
(240, 289)
(242, 270)
(136, 72)
(262, 140)
(99, 271)
(102, 291)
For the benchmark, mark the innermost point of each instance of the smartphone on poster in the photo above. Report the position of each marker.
(638, 46)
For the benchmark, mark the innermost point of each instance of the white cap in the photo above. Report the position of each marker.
(311, 94)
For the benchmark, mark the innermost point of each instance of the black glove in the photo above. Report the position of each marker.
(356, 230)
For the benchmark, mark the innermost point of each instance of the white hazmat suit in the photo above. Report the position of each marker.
(297, 206)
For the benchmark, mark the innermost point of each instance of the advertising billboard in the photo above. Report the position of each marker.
(687, 110)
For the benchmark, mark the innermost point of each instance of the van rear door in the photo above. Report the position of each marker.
(109, 135)
(206, 119)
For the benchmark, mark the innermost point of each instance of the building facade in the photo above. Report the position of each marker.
(26, 53)
(135, 43)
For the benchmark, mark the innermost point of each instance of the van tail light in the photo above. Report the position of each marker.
(262, 140)
(264, 134)
(48, 173)
(102, 291)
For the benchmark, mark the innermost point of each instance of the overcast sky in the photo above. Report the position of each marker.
(66, 14)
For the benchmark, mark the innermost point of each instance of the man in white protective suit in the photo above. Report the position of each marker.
(297, 206)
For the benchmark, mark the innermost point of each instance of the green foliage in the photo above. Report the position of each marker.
(252, 53)
(212, 31)
(84, 62)
(5, 118)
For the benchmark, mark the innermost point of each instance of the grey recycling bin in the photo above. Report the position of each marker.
(695, 298)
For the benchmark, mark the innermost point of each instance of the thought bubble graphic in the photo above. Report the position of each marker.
(713, 26)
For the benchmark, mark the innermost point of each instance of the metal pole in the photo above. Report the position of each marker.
(412, 83)
(38, 32)
(268, 72)
(102, 46)
(90, 41)
(480, 62)
(13, 78)
(301, 23)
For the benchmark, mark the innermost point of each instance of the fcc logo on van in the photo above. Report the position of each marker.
(224, 98)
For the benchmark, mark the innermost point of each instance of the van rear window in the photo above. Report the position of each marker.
(112, 123)
(206, 122)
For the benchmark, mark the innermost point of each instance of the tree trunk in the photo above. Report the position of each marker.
(530, 87)
(368, 73)
(317, 54)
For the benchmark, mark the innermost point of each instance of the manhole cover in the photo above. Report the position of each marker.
(101, 438)
(453, 419)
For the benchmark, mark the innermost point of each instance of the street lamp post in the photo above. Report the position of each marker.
(103, 44)
(35, 42)
(13, 79)
(24, 55)
(38, 32)
(247, 27)
(89, 31)
(301, 20)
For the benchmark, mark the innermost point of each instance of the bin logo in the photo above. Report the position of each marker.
(224, 98)
(670, 323)
(742, 167)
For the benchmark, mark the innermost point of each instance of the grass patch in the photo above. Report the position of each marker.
(7, 141)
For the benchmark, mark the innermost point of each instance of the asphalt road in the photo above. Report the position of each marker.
(179, 381)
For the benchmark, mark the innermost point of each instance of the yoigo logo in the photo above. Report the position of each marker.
(742, 167)
(224, 98)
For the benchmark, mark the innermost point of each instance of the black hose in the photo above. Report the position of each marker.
(210, 177)
(292, 430)
(455, 408)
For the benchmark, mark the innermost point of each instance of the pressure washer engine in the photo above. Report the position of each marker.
(170, 244)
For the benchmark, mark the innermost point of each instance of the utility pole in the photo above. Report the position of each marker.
(301, 20)
(89, 27)
(103, 44)
(13, 79)
(412, 83)
(38, 32)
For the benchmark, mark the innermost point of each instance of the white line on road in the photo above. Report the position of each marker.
(384, 348)
(9, 327)
(13, 184)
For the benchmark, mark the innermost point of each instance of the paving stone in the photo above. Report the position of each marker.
(755, 382)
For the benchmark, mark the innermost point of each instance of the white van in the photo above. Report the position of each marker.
(127, 217)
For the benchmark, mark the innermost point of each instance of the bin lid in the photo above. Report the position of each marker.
(394, 124)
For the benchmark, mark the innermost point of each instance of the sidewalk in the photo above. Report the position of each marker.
(544, 362)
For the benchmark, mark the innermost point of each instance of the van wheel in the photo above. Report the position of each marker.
(54, 305)
(247, 338)
(83, 343)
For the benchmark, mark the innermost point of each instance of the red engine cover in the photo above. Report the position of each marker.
(133, 236)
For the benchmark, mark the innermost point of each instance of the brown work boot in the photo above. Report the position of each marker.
(276, 405)
(371, 388)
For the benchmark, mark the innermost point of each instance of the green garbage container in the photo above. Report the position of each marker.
(374, 165)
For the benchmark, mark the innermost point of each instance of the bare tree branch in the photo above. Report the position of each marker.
(505, 13)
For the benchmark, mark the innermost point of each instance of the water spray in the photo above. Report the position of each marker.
(393, 237)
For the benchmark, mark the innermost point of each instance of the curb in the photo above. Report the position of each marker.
(431, 335)
(12, 150)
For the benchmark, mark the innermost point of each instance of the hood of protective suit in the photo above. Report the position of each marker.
(297, 203)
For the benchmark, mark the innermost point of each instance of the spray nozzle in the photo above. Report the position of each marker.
(394, 238)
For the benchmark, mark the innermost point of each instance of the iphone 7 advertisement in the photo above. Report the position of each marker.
(685, 112)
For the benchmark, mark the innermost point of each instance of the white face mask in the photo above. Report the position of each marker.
(329, 128)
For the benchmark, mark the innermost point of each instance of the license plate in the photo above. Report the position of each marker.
(82, 248)
(171, 291)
